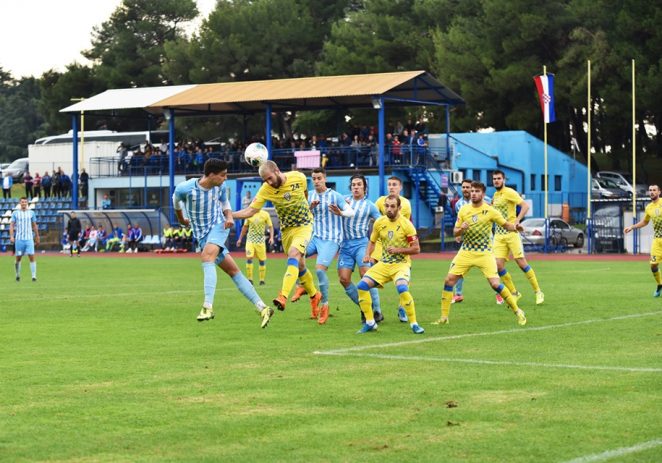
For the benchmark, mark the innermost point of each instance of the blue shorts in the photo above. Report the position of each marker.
(218, 235)
(24, 247)
(325, 249)
(352, 252)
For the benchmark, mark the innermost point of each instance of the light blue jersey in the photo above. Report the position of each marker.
(203, 207)
(327, 225)
(23, 220)
(357, 227)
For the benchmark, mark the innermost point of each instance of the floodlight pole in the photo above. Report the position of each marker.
(170, 116)
(74, 175)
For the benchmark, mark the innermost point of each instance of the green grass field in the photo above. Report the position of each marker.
(102, 360)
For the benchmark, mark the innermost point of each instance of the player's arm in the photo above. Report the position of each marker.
(460, 228)
(499, 220)
(11, 231)
(342, 208)
(227, 211)
(524, 208)
(271, 230)
(642, 223)
(245, 213)
(244, 230)
(178, 207)
(368, 251)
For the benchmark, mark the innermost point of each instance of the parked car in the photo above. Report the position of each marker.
(17, 169)
(624, 181)
(560, 232)
(604, 188)
(607, 229)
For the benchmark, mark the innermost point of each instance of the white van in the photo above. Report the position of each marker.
(624, 181)
(17, 169)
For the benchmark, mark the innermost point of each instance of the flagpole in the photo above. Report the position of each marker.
(634, 161)
(589, 178)
(544, 72)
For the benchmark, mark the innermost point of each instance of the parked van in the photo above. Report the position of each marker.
(624, 181)
(17, 169)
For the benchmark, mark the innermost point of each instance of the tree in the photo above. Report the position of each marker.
(128, 49)
(21, 122)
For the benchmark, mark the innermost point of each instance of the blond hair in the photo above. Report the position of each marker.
(267, 167)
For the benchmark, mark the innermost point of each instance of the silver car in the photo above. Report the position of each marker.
(17, 169)
(560, 233)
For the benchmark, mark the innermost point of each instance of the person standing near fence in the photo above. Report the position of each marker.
(653, 213)
(74, 228)
(24, 235)
(506, 200)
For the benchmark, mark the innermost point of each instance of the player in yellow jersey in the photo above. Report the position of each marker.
(288, 192)
(653, 212)
(506, 200)
(399, 240)
(255, 228)
(394, 187)
(474, 224)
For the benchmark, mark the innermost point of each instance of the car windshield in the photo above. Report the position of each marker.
(533, 223)
(606, 183)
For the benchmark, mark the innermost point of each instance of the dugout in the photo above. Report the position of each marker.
(151, 221)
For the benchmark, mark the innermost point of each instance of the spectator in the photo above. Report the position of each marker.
(37, 185)
(28, 181)
(83, 181)
(105, 202)
(102, 236)
(46, 183)
(169, 244)
(395, 150)
(125, 238)
(115, 237)
(246, 200)
(187, 239)
(7, 182)
(56, 183)
(178, 238)
(92, 240)
(135, 237)
(65, 185)
(421, 148)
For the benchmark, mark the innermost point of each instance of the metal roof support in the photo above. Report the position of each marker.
(267, 136)
(380, 135)
(74, 174)
(448, 137)
(170, 117)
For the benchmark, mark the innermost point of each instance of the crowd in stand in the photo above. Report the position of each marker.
(58, 185)
(404, 143)
(98, 239)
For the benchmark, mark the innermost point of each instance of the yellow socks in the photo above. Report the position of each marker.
(507, 280)
(307, 282)
(407, 302)
(263, 271)
(290, 277)
(446, 298)
(249, 269)
(508, 297)
(656, 275)
(531, 275)
(365, 302)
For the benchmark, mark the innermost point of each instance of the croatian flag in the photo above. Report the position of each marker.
(545, 86)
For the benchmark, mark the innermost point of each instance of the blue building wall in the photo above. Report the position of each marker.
(521, 156)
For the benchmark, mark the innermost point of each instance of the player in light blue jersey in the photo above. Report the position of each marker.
(465, 199)
(327, 236)
(352, 249)
(24, 234)
(209, 215)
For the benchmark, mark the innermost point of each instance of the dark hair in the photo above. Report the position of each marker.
(498, 172)
(362, 178)
(478, 185)
(467, 180)
(393, 177)
(215, 166)
(319, 170)
(23, 197)
(396, 197)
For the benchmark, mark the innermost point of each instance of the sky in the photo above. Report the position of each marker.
(38, 35)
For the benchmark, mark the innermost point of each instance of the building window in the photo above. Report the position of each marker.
(557, 183)
(476, 175)
(533, 182)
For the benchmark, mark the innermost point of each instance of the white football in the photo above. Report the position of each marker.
(255, 154)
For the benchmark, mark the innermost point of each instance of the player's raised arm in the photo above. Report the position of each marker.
(245, 213)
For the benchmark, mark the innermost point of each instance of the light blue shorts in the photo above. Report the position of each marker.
(352, 252)
(24, 247)
(218, 235)
(325, 249)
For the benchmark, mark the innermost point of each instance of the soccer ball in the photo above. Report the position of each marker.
(255, 154)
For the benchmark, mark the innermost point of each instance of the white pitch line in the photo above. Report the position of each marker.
(487, 333)
(617, 452)
(500, 362)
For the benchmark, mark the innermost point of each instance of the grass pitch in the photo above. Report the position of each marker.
(102, 360)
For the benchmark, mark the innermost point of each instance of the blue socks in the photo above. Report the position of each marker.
(458, 286)
(323, 280)
(209, 281)
(33, 269)
(352, 293)
(246, 288)
(374, 294)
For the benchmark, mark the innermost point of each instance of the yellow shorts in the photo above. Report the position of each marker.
(381, 273)
(656, 251)
(465, 260)
(505, 244)
(377, 253)
(258, 250)
(297, 237)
